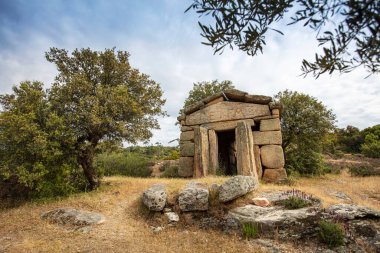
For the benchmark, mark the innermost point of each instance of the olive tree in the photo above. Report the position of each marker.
(102, 97)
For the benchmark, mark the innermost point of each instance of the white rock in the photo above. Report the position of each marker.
(261, 202)
(172, 217)
(351, 211)
(155, 197)
(236, 187)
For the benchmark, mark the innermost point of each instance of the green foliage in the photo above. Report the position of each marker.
(173, 155)
(202, 90)
(36, 151)
(170, 172)
(331, 233)
(156, 152)
(305, 123)
(294, 202)
(348, 31)
(364, 171)
(349, 139)
(123, 164)
(371, 145)
(101, 97)
(250, 230)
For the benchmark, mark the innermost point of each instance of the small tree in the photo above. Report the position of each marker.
(371, 145)
(36, 147)
(100, 96)
(204, 89)
(305, 122)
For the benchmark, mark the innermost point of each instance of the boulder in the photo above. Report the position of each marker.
(272, 217)
(351, 211)
(185, 168)
(274, 175)
(237, 186)
(194, 197)
(263, 202)
(272, 156)
(73, 217)
(155, 197)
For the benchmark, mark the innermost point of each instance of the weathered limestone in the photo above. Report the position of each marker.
(224, 133)
(213, 150)
(244, 149)
(73, 217)
(226, 125)
(267, 138)
(274, 175)
(224, 111)
(236, 187)
(194, 197)
(270, 125)
(201, 153)
(186, 128)
(185, 168)
(186, 148)
(259, 168)
(272, 156)
(155, 197)
(187, 136)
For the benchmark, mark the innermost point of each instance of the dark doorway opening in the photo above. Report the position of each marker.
(227, 152)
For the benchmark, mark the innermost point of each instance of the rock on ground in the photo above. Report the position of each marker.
(261, 202)
(194, 197)
(236, 187)
(172, 217)
(155, 197)
(73, 217)
(351, 211)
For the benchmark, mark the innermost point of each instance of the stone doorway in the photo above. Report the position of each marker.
(227, 153)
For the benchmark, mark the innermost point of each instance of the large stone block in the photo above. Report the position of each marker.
(187, 148)
(193, 198)
(227, 125)
(226, 110)
(259, 168)
(186, 128)
(270, 125)
(201, 152)
(155, 197)
(186, 167)
(187, 136)
(236, 187)
(272, 156)
(274, 175)
(267, 138)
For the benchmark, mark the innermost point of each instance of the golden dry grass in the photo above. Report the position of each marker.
(126, 230)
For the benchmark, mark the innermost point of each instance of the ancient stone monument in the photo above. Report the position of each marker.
(232, 133)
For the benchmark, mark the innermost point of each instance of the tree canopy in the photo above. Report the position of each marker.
(96, 96)
(305, 122)
(204, 89)
(348, 31)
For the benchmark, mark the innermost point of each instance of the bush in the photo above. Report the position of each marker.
(125, 164)
(250, 230)
(171, 171)
(294, 202)
(364, 171)
(331, 233)
(304, 161)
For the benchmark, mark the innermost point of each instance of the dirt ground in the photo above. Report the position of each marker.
(126, 229)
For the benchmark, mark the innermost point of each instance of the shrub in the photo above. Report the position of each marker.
(125, 164)
(331, 233)
(364, 171)
(250, 230)
(294, 202)
(173, 155)
(171, 171)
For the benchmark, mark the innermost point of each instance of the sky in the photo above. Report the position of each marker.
(165, 43)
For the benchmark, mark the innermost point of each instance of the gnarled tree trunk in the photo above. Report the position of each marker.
(85, 159)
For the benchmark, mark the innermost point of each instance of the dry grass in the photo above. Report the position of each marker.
(125, 230)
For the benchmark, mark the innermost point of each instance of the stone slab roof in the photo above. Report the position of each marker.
(229, 95)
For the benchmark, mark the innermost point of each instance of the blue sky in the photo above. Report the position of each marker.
(164, 42)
